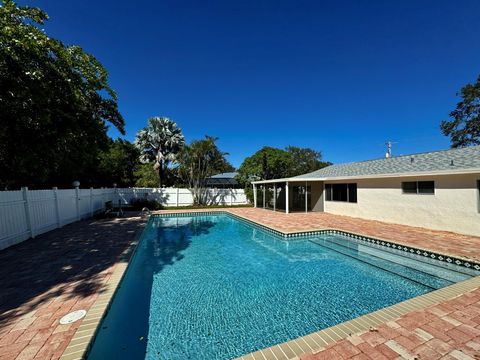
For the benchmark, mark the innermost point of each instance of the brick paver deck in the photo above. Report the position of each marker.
(45, 278)
(64, 270)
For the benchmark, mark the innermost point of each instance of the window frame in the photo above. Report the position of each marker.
(478, 195)
(417, 188)
(329, 192)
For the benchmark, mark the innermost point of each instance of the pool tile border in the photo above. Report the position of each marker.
(83, 338)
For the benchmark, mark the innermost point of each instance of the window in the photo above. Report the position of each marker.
(341, 192)
(478, 194)
(418, 187)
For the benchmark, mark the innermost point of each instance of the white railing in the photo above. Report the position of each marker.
(27, 213)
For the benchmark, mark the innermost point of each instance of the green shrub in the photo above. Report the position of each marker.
(139, 204)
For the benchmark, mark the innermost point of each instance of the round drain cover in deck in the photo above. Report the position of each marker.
(72, 317)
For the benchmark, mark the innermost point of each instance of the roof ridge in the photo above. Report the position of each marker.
(410, 155)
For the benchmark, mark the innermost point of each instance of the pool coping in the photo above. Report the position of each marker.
(83, 338)
(80, 344)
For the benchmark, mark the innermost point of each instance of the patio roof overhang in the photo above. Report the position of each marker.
(375, 176)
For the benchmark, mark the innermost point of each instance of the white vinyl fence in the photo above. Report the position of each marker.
(183, 197)
(27, 213)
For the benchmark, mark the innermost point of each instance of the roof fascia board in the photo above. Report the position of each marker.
(379, 176)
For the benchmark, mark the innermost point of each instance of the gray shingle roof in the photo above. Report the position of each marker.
(227, 175)
(446, 160)
(223, 179)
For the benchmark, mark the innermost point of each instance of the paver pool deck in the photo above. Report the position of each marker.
(67, 269)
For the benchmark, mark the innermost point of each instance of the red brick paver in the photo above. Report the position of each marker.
(43, 279)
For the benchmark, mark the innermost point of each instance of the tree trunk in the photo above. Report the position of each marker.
(160, 174)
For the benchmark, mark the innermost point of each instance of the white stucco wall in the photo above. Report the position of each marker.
(453, 207)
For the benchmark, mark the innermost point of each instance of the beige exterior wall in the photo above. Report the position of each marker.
(453, 207)
(317, 196)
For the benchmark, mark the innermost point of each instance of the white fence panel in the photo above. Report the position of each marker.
(98, 199)
(185, 197)
(13, 222)
(27, 213)
(67, 206)
(182, 197)
(43, 215)
(239, 197)
(84, 205)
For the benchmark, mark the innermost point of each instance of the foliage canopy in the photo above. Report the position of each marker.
(119, 164)
(198, 161)
(55, 104)
(159, 143)
(273, 163)
(464, 127)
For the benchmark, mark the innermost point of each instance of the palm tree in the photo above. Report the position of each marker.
(198, 161)
(160, 142)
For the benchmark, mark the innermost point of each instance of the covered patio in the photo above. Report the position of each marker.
(288, 196)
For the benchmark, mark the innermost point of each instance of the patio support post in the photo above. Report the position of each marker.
(274, 196)
(254, 195)
(286, 198)
(306, 196)
(263, 187)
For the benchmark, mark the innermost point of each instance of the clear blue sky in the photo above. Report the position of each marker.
(338, 76)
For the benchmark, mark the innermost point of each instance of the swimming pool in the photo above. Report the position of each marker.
(214, 287)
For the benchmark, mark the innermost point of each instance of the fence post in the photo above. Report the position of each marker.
(231, 196)
(91, 201)
(178, 194)
(103, 198)
(57, 207)
(77, 205)
(116, 197)
(28, 212)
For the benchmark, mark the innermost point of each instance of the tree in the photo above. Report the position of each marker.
(272, 163)
(198, 161)
(305, 160)
(464, 128)
(267, 163)
(119, 164)
(159, 143)
(146, 176)
(55, 103)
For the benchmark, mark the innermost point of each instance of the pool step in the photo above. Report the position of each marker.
(430, 276)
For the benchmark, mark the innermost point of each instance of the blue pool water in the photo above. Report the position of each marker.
(213, 287)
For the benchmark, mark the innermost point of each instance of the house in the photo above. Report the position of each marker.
(437, 190)
(223, 181)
